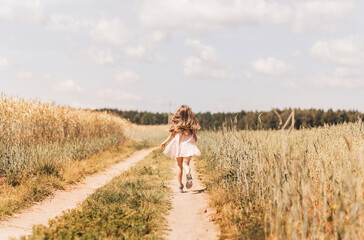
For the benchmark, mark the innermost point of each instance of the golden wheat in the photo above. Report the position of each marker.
(304, 185)
(36, 135)
(148, 134)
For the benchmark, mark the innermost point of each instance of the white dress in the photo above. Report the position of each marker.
(182, 146)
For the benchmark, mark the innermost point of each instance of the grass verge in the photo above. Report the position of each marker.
(131, 206)
(237, 216)
(33, 187)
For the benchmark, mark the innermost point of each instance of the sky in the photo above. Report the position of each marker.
(214, 55)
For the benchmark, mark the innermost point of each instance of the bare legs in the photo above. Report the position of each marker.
(180, 170)
(186, 164)
(183, 163)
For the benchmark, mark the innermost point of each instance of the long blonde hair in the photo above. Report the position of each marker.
(184, 121)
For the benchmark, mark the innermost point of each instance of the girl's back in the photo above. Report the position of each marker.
(184, 127)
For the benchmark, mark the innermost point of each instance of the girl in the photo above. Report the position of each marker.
(184, 126)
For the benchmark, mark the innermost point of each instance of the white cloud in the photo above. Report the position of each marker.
(285, 83)
(29, 11)
(336, 79)
(101, 57)
(206, 52)
(4, 64)
(346, 56)
(347, 51)
(136, 52)
(158, 36)
(111, 31)
(108, 31)
(117, 95)
(207, 65)
(272, 67)
(127, 77)
(67, 22)
(206, 15)
(69, 87)
(327, 8)
(32, 76)
(340, 77)
(318, 14)
(25, 75)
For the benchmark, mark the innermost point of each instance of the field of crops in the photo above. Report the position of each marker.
(306, 184)
(44, 147)
(277, 184)
(37, 137)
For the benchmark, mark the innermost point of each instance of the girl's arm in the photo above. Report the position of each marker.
(169, 138)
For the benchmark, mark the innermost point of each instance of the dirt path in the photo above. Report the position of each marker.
(40, 213)
(190, 216)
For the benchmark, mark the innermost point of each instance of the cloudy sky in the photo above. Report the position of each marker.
(214, 55)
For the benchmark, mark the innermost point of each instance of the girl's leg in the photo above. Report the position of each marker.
(180, 170)
(186, 164)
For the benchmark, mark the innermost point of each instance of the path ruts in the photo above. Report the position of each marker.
(21, 224)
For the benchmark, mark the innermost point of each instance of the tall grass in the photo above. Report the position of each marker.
(36, 136)
(307, 184)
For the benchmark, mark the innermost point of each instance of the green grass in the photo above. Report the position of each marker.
(131, 206)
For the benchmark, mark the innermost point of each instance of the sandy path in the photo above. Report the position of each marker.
(40, 213)
(190, 216)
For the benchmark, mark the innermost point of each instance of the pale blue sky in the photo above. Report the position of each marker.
(214, 55)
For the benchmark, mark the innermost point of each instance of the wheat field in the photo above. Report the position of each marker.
(272, 184)
(303, 184)
(36, 136)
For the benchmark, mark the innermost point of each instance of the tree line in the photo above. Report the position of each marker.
(142, 118)
(253, 120)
